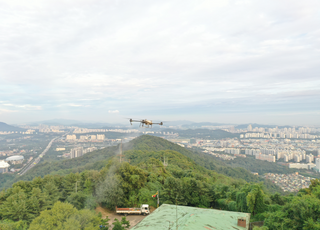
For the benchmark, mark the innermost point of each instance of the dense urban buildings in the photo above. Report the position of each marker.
(290, 182)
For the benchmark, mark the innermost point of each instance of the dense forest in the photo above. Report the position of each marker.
(67, 201)
(202, 159)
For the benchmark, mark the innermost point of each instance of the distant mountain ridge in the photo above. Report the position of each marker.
(254, 125)
(81, 124)
(9, 128)
(56, 122)
(201, 124)
(202, 133)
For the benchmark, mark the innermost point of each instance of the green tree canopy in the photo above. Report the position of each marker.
(64, 216)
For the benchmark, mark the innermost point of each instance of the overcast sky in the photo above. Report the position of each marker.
(222, 61)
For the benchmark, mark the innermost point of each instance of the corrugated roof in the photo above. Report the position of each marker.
(192, 218)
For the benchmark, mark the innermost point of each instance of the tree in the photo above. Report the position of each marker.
(52, 192)
(71, 184)
(124, 224)
(255, 200)
(15, 207)
(277, 199)
(301, 213)
(117, 225)
(37, 202)
(132, 178)
(90, 202)
(311, 224)
(13, 225)
(77, 199)
(172, 189)
(241, 199)
(104, 225)
(109, 192)
(64, 216)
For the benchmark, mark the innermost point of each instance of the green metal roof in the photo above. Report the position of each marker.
(192, 218)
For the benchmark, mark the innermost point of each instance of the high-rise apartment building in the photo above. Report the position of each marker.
(252, 151)
(233, 151)
(318, 164)
(71, 137)
(100, 136)
(309, 158)
(297, 158)
(88, 150)
(76, 152)
(302, 166)
(265, 157)
(83, 137)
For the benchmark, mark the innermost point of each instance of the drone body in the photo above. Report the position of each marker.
(145, 122)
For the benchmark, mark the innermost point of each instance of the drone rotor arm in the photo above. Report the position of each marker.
(135, 120)
(160, 123)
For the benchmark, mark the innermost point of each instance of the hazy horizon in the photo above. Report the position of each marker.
(68, 122)
(215, 61)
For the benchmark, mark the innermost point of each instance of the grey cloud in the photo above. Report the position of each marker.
(129, 54)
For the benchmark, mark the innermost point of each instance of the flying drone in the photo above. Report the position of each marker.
(145, 122)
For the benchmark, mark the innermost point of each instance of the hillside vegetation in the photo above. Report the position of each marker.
(144, 144)
(67, 201)
(150, 143)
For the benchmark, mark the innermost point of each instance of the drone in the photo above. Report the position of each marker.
(145, 122)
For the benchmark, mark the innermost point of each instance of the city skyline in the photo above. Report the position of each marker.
(233, 62)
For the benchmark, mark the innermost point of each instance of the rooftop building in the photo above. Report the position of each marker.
(4, 166)
(15, 159)
(189, 218)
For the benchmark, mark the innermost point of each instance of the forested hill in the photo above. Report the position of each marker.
(132, 182)
(148, 143)
(145, 147)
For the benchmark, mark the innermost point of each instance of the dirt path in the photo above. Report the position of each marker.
(134, 219)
